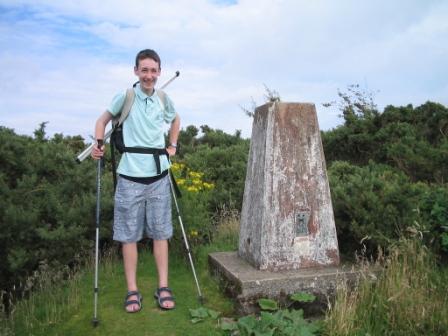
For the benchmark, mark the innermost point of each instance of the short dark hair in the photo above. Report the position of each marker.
(147, 53)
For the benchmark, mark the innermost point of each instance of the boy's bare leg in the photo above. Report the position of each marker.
(130, 257)
(161, 258)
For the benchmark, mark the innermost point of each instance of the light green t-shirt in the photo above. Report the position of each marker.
(144, 127)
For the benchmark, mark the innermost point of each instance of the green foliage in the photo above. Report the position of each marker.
(48, 203)
(222, 158)
(375, 202)
(303, 297)
(48, 200)
(202, 313)
(282, 322)
(433, 218)
(409, 297)
(444, 240)
(64, 306)
(211, 171)
(413, 140)
(193, 205)
(50, 295)
(388, 171)
(276, 321)
(267, 304)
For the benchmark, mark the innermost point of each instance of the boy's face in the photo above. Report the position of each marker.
(147, 72)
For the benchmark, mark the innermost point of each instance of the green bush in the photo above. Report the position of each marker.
(388, 171)
(413, 140)
(193, 206)
(222, 158)
(226, 168)
(373, 204)
(48, 203)
(433, 218)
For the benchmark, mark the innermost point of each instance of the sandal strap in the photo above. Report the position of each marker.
(166, 298)
(128, 303)
(164, 289)
(130, 293)
(137, 301)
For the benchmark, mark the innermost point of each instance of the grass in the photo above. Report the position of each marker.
(409, 298)
(68, 309)
(65, 307)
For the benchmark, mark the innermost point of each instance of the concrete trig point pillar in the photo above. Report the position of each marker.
(287, 217)
(287, 240)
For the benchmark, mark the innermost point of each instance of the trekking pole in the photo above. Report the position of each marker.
(95, 320)
(187, 247)
(86, 152)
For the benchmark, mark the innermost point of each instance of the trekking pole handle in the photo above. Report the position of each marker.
(86, 152)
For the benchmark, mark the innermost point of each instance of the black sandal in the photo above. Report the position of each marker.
(161, 300)
(128, 302)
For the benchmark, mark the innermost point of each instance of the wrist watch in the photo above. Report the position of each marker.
(173, 145)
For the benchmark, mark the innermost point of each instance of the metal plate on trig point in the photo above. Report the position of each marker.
(301, 223)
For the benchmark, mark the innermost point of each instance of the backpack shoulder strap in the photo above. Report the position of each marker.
(162, 96)
(129, 100)
(127, 105)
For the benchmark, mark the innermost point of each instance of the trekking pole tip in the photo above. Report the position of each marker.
(177, 73)
(95, 322)
(201, 300)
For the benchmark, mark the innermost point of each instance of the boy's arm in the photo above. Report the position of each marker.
(174, 134)
(100, 127)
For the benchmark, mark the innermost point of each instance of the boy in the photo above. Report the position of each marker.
(142, 197)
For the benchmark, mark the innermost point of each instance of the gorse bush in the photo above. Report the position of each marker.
(193, 206)
(374, 203)
(48, 201)
(413, 140)
(388, 171)
(222, 158)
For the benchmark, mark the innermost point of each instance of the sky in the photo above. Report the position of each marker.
(62, 62)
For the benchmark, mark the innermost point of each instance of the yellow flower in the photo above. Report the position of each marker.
(177, 167)
(197, 181)
(196, 175)
(192, 189)
(193, 181)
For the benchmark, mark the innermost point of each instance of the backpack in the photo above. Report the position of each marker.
(116, 138)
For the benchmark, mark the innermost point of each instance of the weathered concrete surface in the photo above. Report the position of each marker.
(247, 284)
(287, 217)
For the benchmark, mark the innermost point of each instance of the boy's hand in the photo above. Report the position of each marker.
(98, 150)
(171, 150)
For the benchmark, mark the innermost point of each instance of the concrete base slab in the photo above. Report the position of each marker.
(246, 284)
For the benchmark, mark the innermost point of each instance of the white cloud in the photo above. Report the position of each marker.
(64, 60)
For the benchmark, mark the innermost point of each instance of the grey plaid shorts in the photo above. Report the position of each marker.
(142, 208)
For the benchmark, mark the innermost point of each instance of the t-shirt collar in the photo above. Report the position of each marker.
(143, 95)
